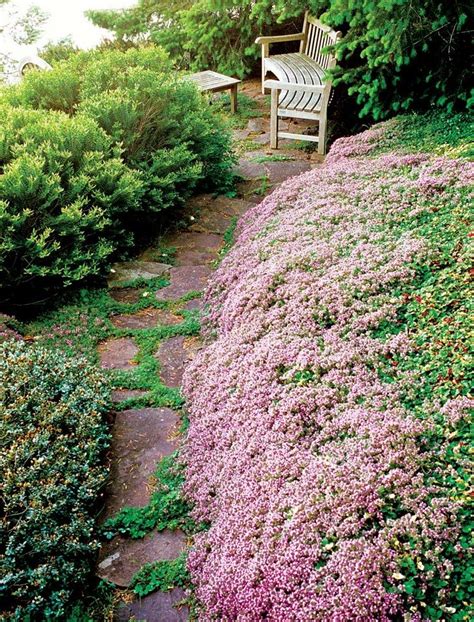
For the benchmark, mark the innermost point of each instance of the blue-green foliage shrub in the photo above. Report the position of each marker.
(153, 142)
(65, 194)
(53, 442)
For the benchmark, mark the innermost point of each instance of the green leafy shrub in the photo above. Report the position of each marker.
(64, 196)
(53, 439)
(397, 55)
(77, 190)
(53, 52)
(166, 130)
(400, 55)
(146, 107)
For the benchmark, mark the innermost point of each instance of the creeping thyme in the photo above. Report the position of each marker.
(328, 419)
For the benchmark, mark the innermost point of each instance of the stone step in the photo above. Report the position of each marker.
(275, 171)
(146, 318)
(127, 295)
(117, 353)
(279, 172)
(140, 438)
(195, 248)
(220, 205)
(130, 270)
(156, 607)
(121, 558)
(184, 279)
(173, 355)
(194, 304)
(216, 214)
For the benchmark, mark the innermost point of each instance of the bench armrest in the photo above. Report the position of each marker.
(280, 38)
(289, 86)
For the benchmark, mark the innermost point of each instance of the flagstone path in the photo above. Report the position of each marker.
(142, 436)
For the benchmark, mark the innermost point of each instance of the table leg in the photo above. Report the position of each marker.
(233, 99)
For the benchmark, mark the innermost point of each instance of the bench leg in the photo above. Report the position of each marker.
(322, 135)
(265, 53)
(233, 99)
(274, 120)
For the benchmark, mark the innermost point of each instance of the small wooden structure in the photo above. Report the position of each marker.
(302, 90)
(213, 82)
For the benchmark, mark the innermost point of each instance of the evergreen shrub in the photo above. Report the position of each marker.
(53, 439)
(92, 154)
(64, 194)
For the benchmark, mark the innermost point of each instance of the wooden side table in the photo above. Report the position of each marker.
(213, 82)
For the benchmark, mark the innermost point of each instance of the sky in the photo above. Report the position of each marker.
(67, 18)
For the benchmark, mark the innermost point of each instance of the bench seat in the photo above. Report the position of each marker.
(297, 68)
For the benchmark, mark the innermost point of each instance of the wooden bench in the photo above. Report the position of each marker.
(301, 90)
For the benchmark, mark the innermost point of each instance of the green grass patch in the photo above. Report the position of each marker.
(247, 108)
(82, 323)
(264, 186)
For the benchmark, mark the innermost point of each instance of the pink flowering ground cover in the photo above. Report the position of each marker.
(326, 451)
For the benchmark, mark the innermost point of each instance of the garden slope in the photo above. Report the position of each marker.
(326, 446)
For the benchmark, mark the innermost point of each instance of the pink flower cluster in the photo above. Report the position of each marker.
(299, 455)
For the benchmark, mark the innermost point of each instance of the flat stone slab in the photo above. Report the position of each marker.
(184, 279)
(211, 222)
(120, 395)
(195, 248)
(196, 303)
(214, 216)
(258, 124)
(280, 171)
(221, 204)
(117, 353)
(146, 318)
(240, 134)
(130, 270)
(127, 294)
(140, 438)
(156, 607)
(250, 170)
(263, 139)
(121, 558)
(237, 207)
(174, 354)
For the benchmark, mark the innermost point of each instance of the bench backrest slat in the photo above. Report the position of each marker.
(317, 37)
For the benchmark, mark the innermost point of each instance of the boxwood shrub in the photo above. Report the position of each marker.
(142, 103)
(65, 195)
(146, 107)
(94, 153)
(53, 440)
